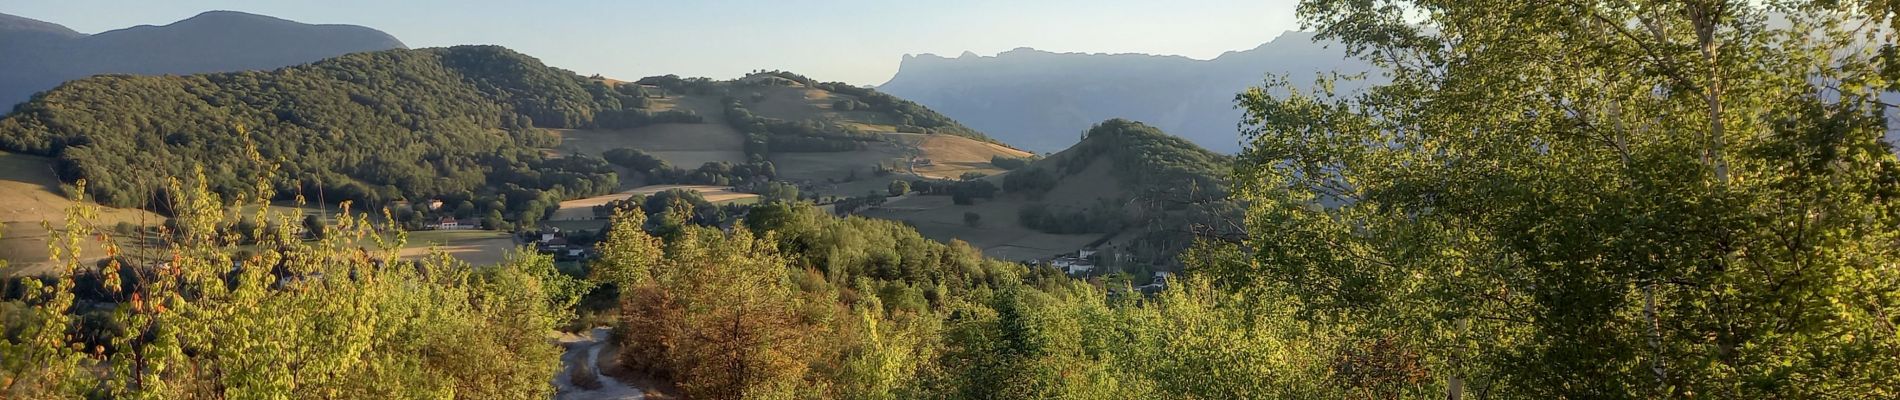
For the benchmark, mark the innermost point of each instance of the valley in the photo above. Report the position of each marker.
(1402, 199)
(875, 152)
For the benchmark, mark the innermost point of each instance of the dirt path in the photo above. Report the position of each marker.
(583, 353)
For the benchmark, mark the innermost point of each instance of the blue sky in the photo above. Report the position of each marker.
(856, 41)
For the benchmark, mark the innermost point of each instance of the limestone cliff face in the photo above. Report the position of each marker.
(1042, 101)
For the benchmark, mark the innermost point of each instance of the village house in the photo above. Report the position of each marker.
(1081, 263)
(1072, 265)
(1159, 283)
(452, 224)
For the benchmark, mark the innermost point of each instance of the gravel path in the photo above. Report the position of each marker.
(584, 353)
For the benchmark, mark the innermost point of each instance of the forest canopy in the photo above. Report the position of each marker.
(370, 127)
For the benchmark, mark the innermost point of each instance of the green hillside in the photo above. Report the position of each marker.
(370, 127)
(829, 138)
(481, 124)
(1144, 160)
(1126, 187)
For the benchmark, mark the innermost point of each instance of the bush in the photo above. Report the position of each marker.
(1032, 182)
(1009, 163)
(1101, 218)
(126, 228)
(966, 192)
(634, 159)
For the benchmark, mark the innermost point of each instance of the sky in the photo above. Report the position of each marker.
(854, 41)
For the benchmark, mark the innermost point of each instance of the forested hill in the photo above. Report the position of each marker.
(1144, 159)
(367, 126)
(1156, 193)
(37, 55)
(461, 123)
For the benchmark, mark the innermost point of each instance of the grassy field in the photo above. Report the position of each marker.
(690, 145)
(30, 192)
(583, 209)
(952, 156)
(794, 103)
(1085, 187)
(480, 248)
(682, 145)
(834, 166)
(997, 233)
(30, 195)
(799, 103)
(853, 173)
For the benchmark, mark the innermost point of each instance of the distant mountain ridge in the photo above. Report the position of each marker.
(1042, 100)
(36, 55)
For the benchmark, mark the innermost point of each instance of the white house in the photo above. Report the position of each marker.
(449, 224)
(1073, 265)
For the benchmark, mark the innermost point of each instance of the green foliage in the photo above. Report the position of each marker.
(849, 105)
(723, 324)
(851, 205)
(285, 318)
(1693, 202)
(1010, 163)
(908, 113)
(1030, 344)
(754, 174)
(627, 255)
(1171, 191)
(898, 187)
(766, 135)
(367, 127)
(1649, 213)
(37, 358)
(731, 315)
(1103, 217)
(748, 176)
(313, 226)
(779, 192)
(966, 192)
(1032, 182)
(1146, 161)
(813, 144)
(634, 159)
(630, 119)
